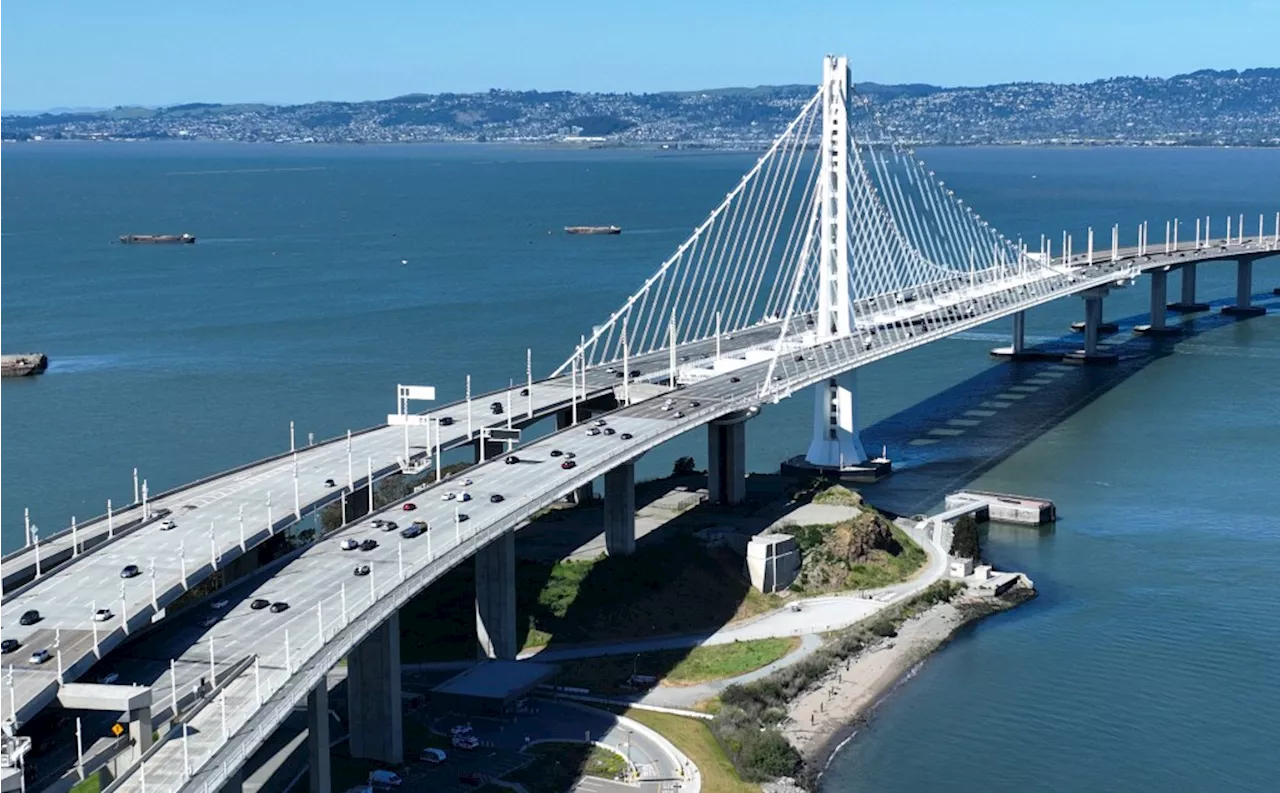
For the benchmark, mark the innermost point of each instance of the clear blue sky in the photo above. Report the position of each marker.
(97, 53)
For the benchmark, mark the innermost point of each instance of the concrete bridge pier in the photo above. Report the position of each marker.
(1244, 291)
(318, 770)
(1187, 304)
(374, 708)
(496, 599)
(620, 510)
(1017, 350)
(1159, 295)
(727, 461)
(1092, 323)
(490, 450)
(564, 420)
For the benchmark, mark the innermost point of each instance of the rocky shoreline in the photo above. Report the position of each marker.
(826, 716)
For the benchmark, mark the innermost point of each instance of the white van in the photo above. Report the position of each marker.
(384, 779)
(433, 755)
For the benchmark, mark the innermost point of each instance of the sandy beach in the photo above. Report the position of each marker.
(825, 715)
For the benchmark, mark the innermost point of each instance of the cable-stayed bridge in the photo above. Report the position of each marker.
(837, 249)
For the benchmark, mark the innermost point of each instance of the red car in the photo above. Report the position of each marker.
(567, 464)
(409, 506)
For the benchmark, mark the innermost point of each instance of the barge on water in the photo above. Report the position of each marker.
(593, 229)
(23, 364)
(157, 239)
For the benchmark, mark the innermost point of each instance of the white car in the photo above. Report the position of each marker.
(448, 496)
(460, 729)
(102, 615)
(349, 544)
(467, 483)
(466, 741)
(168, 525)
(220, 604)
(433, 755)
(39, 657)
(593, 431)
(464, 496)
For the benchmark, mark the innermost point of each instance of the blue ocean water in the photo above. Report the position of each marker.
(324, 276)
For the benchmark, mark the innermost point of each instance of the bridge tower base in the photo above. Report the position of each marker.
(1187, 304)
(1017, 350)
(620, 510)
(374, 710)
(318, 770)
(1159, 295)
(1092, 321)
(1244, 291)
(835, 451)
(496, 598)
(564, 420)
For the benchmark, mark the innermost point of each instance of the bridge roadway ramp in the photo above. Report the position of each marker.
(208, 527)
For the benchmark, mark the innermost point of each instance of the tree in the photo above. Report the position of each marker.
(964, 540)
(683, 467)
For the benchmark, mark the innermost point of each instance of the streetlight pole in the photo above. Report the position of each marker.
(469, 429)
(351, 477)
(155, 601)
(173, 687)
(182, 559)
(136, 496)
(93, 614)
(111, 526)
(270, 524)
(297, 502)
(146, 509)
(75, 543)
(437, 423)
(240, 519)
(370, 464)
(124, 610)
(292, 445)
(528, 378)
(35, 540)
(213, 548)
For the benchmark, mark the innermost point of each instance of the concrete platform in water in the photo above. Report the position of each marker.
(1005, 507)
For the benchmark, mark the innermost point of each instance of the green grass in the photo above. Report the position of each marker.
(560, 764)
(90, 784)
(884, 568)
(838, 495)
(606, 674)
(694, 738)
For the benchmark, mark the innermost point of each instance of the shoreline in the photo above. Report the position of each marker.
(825, 718)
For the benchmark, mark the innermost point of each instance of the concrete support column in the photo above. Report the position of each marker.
(318, 738)
(241, 566)
(836, 443)
(727, 462)
(1019, 332)
(374, 705)
(1244, 292)
(1188, 302)
(496, 598)
(140, 730)
(492, 449)
(620, 510)
(1159, 296)
(564, 420)
(234, 783)
(1090, 326)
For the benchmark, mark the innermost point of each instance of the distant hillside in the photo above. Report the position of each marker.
(1202, 108)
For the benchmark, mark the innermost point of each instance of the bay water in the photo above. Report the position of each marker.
(324, 276)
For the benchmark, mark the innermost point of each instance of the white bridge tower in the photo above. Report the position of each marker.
(835, 441)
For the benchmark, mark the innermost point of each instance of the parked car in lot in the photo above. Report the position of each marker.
(381, 778)
(433, 755)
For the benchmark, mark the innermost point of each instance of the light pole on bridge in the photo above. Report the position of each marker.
(528, 370)
(137, 496)
(35, 540)
(182, 560)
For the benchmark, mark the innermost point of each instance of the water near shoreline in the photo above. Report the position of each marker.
(1143, 665)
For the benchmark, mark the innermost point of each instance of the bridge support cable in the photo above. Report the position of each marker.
(919, 261)
(717, 277)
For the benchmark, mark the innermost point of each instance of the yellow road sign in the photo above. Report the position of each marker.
(117, 729)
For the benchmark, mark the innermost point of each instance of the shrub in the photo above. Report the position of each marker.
(965, 541)
(684, 466)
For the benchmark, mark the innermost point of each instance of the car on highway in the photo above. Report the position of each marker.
(409, 532)
(495, 407)
(524, 392)
(610, 431)
(467, 483)
(695, 403)
(460, 729)
(446, 421)
(389, 525)
(9, 645)
(567, 464)
(495, 498)
(599, 422)
(448, 495)
(569, 455)
(464, 496)
(130, 571)
(362, 569)
(593, 431)
(279, 606)
(168, 525)
(29, 617)
(679, 414)
(462, 516)
(329, 483)
(511, 459)
(465, 741)
(626, 436)
(381, 778)
(368, 545)
(349, 544)
(556, 452)
(39, 657)
(102, 615)
(735, 379)
(408, 506)
(258, 604)
(377, 523)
